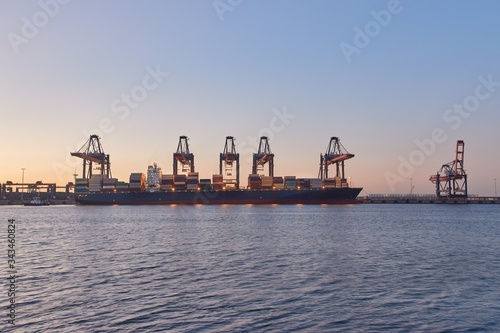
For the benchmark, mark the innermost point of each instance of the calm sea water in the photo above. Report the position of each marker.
(363, 268)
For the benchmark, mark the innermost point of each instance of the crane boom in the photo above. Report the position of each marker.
(92, 152)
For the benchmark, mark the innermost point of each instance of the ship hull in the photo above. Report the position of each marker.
(255, 197)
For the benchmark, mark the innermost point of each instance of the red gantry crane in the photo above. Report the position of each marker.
(451, 179)
(230, 161)
(262, 157)
(335, 154)
(92, 152)
(183, 157)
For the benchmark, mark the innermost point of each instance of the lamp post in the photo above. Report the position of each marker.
(495, 187)
(22, 184)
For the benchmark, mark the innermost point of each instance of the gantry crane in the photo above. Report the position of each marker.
(92, 152)
(335, 154)
(183, 157)
(230, 161)
(262, 157)
(451, 179)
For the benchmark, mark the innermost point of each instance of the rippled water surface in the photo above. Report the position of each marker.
(363, 268)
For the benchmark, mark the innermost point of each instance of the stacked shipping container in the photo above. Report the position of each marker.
(95, 183)
(192, 181)
(180, 182)
(278, 183)
(137, 181)
(303, 183)
(316, 183)
(217, 182)
(254, 182)
(81, 185)
(266, 182)
(205, 184)
(109, 184)
(167, 182)
(121, 186)
(290, 182)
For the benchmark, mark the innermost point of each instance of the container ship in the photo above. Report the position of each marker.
(183, 185)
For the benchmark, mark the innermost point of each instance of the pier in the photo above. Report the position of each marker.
(425, 199)
(18, 193)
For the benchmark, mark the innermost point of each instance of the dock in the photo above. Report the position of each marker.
(425, 199)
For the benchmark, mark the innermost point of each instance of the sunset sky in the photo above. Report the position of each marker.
(399, 82)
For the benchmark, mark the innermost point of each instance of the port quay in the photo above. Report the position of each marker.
(425, 199)
(19, 193)
(66, 197)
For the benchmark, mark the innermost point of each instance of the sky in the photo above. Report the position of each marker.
(399, 82)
